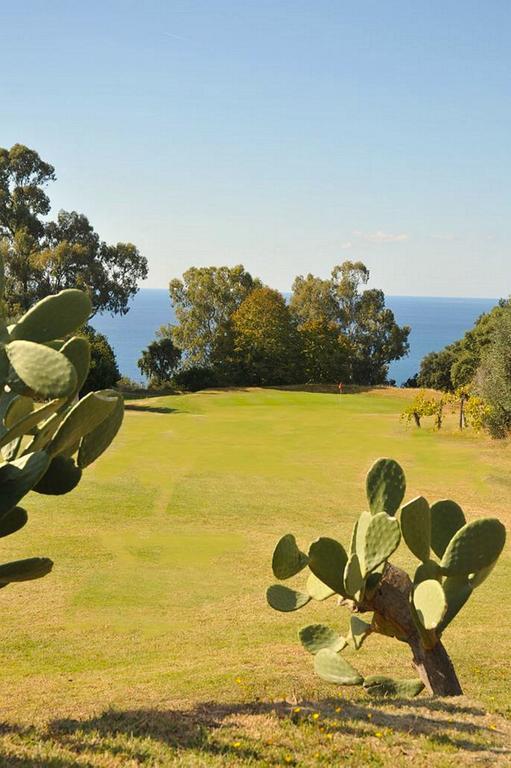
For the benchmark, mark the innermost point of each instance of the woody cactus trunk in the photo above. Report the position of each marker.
(47, 435)
(454, 556)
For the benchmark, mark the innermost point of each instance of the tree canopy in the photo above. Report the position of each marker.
(266, 341)
(331, 330)
(161, 358)
(42, 257)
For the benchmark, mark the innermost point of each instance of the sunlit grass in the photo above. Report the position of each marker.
(162, 556)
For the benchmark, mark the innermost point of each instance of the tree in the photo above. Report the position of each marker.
(44, 257)
(204, 302)
(266, 343)
(376, 337)
(161, 358)
(456, 364)
(326, 352)
(312, 301)
(493, 379)
(103, 371)
(365, 328)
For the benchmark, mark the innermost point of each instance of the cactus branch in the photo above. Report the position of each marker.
(391, 604)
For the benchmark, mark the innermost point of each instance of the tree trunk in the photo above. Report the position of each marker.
(393, 616)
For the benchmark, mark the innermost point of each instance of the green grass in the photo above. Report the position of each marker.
(151, 643)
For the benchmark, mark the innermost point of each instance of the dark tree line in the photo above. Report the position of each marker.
(233, 330)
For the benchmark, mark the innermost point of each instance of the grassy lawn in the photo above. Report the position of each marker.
(151, 642)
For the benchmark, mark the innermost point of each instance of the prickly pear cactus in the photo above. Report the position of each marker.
(415, 610)
(47, 435)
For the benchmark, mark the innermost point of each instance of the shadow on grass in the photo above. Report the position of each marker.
(257, 733)
(150, 408)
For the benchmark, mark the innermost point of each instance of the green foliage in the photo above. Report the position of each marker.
(413, 612)
(43, 257)
(161, 358)
(494, 378)
(331, 331)
(196, 378)
(457, 364)
(267, 346)
(103, 371)
(204, 302)
(43, 364)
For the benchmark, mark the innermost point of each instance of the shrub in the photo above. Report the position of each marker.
(195, 378)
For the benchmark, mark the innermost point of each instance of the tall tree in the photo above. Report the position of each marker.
(493, 378)
(351, 329)
(204, 302)
(161, 358)
(43, 257)
(376, 337)
(267, 344)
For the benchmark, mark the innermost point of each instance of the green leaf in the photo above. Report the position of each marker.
(446, 518)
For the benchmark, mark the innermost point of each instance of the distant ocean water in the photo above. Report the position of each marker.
(435, 322)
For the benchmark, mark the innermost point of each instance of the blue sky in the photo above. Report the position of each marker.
(286, 135)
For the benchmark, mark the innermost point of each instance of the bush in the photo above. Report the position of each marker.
(195, 378)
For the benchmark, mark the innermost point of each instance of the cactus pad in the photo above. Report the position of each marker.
(331, 667)
(457, 591)
(317, 590)
(353, 579)
(87, 414)
(61, 477)
(284, 599)
(446, 518)
(382, 539)
(96, 442)
(475, 546)
(379, 685)
(416, 527)
(430, 603)
(54, 317)
(327, 561)
(315, 637)
(359, 630)
(288, 560)
(427, 570)
(41, 369)
(385, 486)
(19, 477)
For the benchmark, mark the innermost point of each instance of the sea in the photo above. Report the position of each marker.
(435, 322)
